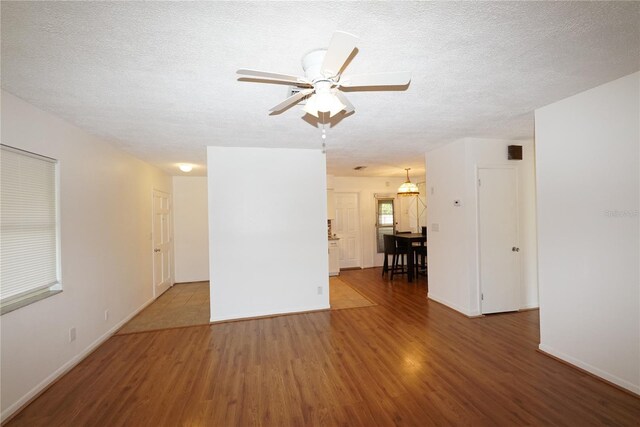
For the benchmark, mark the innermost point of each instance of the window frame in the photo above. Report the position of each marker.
(381, 199)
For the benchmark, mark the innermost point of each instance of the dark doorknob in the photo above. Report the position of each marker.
(514, 249)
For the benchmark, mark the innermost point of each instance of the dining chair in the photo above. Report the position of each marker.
(398, 253)
(421, 256)
(401, 262)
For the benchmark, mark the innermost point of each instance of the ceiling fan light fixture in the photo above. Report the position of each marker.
(336, 106)
(311, 107)
(408, 188)
(323, 103)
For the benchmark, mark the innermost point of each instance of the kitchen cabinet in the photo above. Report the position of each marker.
(334, 258)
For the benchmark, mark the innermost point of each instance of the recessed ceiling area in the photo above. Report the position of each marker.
(159, 81)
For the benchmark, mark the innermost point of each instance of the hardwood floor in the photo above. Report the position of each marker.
(405, 361)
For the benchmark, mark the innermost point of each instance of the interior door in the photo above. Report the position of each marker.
(161, 242)
(498, 235)
(347, 228)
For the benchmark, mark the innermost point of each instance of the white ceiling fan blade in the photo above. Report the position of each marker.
(340, 47)
(401, 78)
(348, 105)
(267, 75)
(292, 100)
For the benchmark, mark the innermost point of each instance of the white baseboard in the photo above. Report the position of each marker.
(449, 304)
(634, 388)
(44, 384)
(249, 316)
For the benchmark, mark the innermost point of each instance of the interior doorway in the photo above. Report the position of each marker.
(162, 239)
(498, 239)
(347, 228)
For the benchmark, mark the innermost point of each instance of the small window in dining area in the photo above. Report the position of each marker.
(29, 257)
(385, 222)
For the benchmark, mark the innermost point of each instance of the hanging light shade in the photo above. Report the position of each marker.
(408, 188)
(323, 101)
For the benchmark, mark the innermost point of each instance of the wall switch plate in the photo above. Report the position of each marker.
(106, 315)
(72, 335)
(435, 227)
(319, 290)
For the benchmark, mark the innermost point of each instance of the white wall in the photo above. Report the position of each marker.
(268, 232)
(190, 221)
(106, 251)
(448, 247)
(367, 187)
(588, 173)
(453, 250)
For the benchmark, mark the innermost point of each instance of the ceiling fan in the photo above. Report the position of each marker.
(323, 78)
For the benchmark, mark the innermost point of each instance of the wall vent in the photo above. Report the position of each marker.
(295, 89)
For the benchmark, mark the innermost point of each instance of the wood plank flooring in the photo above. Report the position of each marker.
(406, 361)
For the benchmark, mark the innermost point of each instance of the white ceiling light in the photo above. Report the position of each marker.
(323, 103)
(185, 167)
(408, 188)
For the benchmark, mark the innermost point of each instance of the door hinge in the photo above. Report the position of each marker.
(479, 183)
(481, 297)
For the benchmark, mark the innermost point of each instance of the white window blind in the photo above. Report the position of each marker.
(28, 224)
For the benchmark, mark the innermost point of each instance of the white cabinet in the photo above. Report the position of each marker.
(334, 258)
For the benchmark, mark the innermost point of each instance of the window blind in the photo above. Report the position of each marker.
(28, 224)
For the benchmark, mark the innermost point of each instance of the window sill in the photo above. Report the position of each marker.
(9, 307)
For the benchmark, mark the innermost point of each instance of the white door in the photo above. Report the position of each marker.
(498, 234)
(161, 242)
(347, 228)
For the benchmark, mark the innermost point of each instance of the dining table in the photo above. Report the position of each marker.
(410, 239)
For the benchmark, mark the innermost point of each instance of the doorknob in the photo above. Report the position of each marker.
(156, 250)
(514, 249)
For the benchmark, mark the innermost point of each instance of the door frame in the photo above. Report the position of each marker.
(360, 234)
(152, 241)
(516, 170)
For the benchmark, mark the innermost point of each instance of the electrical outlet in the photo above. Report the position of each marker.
(319, 290)
(72, 335)
(106, 315)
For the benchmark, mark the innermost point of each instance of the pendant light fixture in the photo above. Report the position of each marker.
(408, 188)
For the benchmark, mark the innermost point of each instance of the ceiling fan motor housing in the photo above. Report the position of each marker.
(312, 63)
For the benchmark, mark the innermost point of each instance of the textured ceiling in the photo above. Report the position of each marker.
(158, 79)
